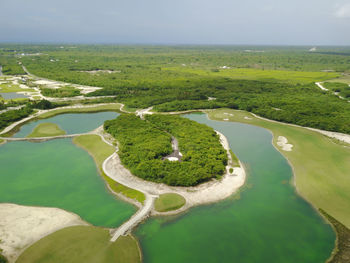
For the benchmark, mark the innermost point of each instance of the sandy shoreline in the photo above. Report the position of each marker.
(210, 192)
(21, 226)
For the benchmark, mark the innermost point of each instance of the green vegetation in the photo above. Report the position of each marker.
(289, 76)
(274, 82)
(61, 92)
(82, 244)
(235, 161)
(143, 144)
(3, 259)
(10, 64)
(46, 130)
(169, 202)
(182, 105)
(320, 165)
(341, 88)
(11, 116)
(109, 107)
(341, 254)
(100, 151)
(12, 88)
(345, 78)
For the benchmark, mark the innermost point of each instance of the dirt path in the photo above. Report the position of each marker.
(319, 84)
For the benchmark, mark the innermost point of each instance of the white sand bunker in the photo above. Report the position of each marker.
(21, 226)
(283, 143)
(247, 118)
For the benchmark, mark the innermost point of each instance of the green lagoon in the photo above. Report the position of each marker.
(72, 123)
(266, 222)
(57, 173)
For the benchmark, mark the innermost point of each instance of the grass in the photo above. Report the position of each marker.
(235, 161)
(109, 107)
(341, 254)
(100, 151)
(321, 166)
(258, 74)
(46, 130)
(13, 88)
(169, 202)
(344, 78)
(78, 244)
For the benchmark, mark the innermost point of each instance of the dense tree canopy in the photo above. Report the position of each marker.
(143, 143)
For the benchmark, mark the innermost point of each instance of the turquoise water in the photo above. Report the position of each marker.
(58, 174)
(267, 222)
(72, 123)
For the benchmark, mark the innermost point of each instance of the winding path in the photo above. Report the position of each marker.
(144, 211)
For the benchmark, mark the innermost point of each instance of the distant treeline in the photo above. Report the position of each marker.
(181, 78)
(143, 143)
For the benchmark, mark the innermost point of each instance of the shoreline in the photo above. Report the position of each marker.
(21, 226)
(293, 178)
(205, 193)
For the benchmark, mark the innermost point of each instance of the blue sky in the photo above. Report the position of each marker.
(277, 22)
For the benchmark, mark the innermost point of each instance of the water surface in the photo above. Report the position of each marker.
(57, 173)
(72, 123)
(268, 223)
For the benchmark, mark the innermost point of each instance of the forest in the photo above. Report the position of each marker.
(143, 144)
(60, 92)
(341, 88)
(12, 116)
(275, 82)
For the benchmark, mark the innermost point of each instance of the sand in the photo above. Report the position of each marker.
(212, 191)
(21, 226)
(283, 143)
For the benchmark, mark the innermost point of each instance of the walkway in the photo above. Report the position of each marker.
(135, 219)
(142, 213)
(42, 138)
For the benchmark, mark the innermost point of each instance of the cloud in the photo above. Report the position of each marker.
(343, 11)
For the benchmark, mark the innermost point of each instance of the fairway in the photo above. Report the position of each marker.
(46, 130)
(82, 244)
(13, 88)
(321, 166)
(169, 202)
(100, 151)
(259, 74)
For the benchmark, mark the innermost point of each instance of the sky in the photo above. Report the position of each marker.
(254, 22)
